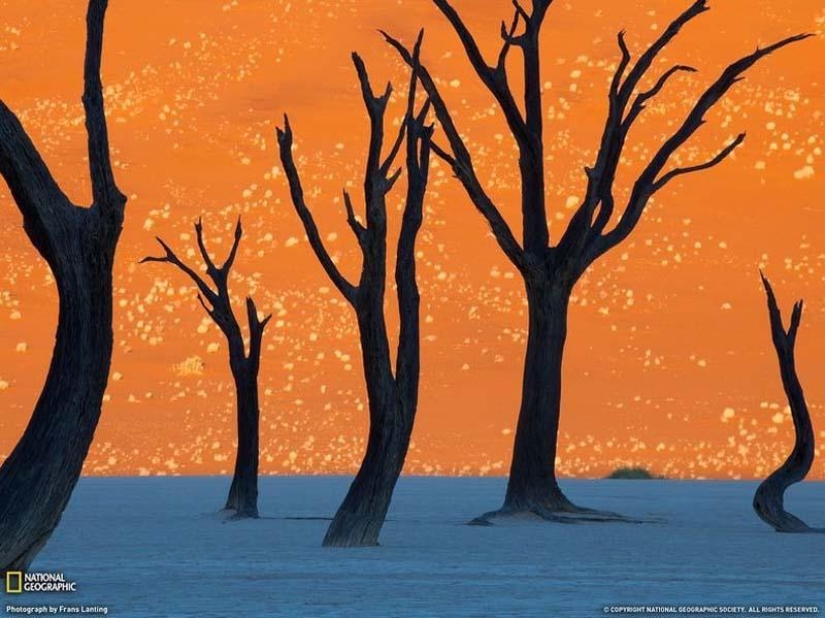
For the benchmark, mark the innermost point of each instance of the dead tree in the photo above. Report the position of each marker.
(244, 363)
(78, 243)
(550, 271)
(393, 396)
(769, 501)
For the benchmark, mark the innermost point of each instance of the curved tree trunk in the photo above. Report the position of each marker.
(243, 493)
(359, 519)
(769, 500)
(37, 479)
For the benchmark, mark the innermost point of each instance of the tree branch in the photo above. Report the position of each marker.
(171, 258)
(39, 198)
(647, 184)
(376, 182)
(601, 177)
(583, 230)
(461, 162)
(285, 142)
(495, 80)
(418, 146)
(233, 253)
(527, 128)
(679, 171)
(219, 306)
(645, 61)
(359, 230)
(104, 189)
(639, 102)
(256, 332)
(784, 340)
(211, 268)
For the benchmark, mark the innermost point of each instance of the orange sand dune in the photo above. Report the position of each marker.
(669, 363)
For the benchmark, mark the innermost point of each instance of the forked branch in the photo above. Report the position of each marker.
(460, 160)
(215, 299)
(654, 177)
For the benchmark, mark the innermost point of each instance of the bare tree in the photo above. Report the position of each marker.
(393, 396)
(550, 271)
(769, 501)
(78, 243)
(244, 364)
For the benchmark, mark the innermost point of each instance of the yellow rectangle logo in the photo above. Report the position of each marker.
(14, 582)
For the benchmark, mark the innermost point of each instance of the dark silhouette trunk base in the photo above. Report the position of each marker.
(361, 515)
(359, 519)
(532, 488)
(243, 493)
(769, 500)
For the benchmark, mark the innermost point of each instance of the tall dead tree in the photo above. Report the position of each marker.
(78, 243)
(769, 501)
(550, 271)
(244, 363)
(393, 396)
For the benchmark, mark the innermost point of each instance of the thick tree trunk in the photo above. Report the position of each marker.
(532, 488)
(360, 517)
(769, 500)
(37, 479)
(532, 484)
(243, 493)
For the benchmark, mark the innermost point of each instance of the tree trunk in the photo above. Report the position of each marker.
(360, 517)
(769, 500)
(532, 488)
(37, 479)
(532, 484)
(393, 397)
(243, 493)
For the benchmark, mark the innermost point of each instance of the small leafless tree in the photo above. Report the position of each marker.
(769, 501)
(244, 363)
(78, 243)
(393, 395)
(550, 271)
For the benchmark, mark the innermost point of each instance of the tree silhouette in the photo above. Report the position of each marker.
(244, 364)
(550, 271)
(769, 501)
(393, 395)
(78, 243)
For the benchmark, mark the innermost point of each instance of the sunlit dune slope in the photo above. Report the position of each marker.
(669, 363)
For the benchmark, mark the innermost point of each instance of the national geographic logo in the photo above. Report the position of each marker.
(14, 582)
(18, 582)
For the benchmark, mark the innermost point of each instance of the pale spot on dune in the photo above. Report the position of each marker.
(192, 366)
